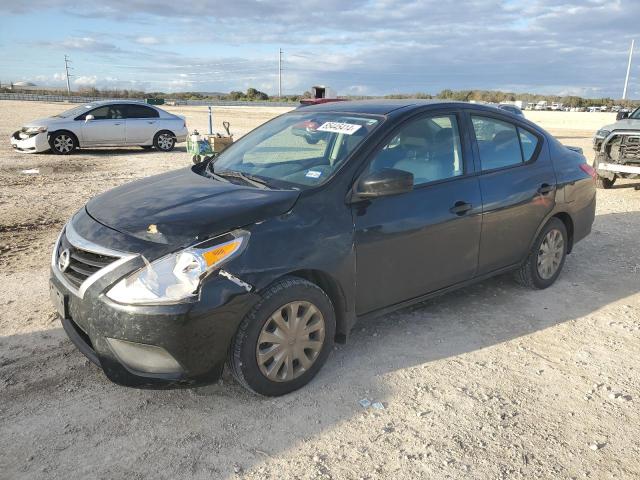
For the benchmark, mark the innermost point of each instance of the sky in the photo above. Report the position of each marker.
(356, 47)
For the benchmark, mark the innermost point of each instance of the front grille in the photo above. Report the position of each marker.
(82, 263)
(631, 151)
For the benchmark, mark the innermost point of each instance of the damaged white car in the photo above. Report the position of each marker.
(617, 149)
(102, 124)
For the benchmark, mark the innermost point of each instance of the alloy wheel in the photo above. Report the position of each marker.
(63, 143)
(550, 254)
(290, 341)
(165, 141)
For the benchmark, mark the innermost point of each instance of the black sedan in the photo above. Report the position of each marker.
(264, 256)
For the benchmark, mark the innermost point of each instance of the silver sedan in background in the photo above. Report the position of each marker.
(102, 124)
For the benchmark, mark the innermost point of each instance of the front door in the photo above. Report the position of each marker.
(108, 126)
(427, 239)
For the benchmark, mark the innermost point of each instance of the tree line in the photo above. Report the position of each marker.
(252, 94)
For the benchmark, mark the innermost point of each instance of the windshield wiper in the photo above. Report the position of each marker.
(245, 177)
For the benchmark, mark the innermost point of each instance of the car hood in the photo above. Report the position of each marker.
(626, 124)
(182, 207)
(45, 122)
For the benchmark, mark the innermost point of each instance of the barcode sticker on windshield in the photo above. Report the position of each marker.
(339, 127)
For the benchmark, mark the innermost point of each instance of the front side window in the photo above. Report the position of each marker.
(428, 147)
(502, 144)
(106, 112)
(298, 149)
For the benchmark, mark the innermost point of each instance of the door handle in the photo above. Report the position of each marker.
(545, 188)
(151, 123)
(116, 123)
(460, 208)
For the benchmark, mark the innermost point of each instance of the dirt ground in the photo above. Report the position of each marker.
(492, 381)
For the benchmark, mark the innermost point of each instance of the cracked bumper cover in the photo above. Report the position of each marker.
(196, 336)
(30, 144)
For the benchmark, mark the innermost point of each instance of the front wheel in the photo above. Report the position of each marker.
(63, 143)
(546, 258)
(164, 141)
(285, 339)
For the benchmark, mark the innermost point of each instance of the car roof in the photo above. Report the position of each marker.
(107, 102)
(377, 107)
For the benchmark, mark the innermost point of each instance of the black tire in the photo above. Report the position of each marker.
(529, 275)
(63, 143)
(146, 147)
(243, 357)
(164, 140)
(605, 183)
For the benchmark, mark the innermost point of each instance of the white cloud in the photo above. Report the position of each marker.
(147, 40)
(85, 81)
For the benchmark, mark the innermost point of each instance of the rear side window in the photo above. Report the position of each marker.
(502, 144)
(140, 111)
(529, 143)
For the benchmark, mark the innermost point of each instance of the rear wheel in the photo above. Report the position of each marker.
(603, 182)
(164, 141)
(546, 258)
(285, 339)
(63, 143)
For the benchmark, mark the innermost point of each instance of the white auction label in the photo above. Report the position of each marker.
(339, 127)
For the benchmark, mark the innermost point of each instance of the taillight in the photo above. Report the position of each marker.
(589, 170)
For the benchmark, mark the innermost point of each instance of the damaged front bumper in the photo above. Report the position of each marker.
(30, 142)
(618, 154)
(149, 346)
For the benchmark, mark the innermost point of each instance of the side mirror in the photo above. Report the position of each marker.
(89, 118)
(388, 181)
(622, 115)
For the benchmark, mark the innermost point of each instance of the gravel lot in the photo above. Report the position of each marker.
(492, 381)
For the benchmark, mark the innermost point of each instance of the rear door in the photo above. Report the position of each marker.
(518, 187)
(107, 126)
(142, 124)
(411, 244)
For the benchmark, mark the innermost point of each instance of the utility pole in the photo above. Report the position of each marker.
(280, 74)
(626, 80)
(66, 68)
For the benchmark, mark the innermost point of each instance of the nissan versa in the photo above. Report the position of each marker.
(266, 255)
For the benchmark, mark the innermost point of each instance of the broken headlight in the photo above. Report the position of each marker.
(602, 133)
(33, 130)
(177, 277)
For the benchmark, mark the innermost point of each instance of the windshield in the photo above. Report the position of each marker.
(635, 114)
(74, 112)
(296, 150)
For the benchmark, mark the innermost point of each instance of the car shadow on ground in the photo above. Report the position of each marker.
(211, 430)
(101, 152)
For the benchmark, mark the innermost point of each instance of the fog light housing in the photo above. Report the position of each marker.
(144, 358)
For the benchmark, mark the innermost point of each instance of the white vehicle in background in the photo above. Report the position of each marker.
(556, 107)
(102, 124)
(541, 105)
